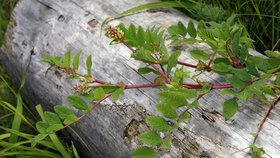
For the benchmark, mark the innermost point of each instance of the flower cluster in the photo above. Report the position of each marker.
(115, 33)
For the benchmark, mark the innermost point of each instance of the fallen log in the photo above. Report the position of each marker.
(55, 26)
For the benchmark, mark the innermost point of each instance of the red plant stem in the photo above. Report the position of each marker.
(264, 119)
(98, 81)
(186, 85)
(221, 86)
(129, 47)
(208, 67)
(162, 69)
(167, 79)
(186, 64)
(141, 86)
(233, 58)
(232, 61)
(214, 86)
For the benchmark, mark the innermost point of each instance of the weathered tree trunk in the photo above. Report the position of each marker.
(55, 26)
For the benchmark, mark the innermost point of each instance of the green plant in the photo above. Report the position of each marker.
(247, 76)
(261, 18)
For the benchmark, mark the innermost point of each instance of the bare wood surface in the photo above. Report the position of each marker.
(55, 26)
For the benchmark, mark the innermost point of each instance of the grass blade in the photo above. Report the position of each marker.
(15, 111)
(4, 136)
(60, 147)
(154, 5)
(24, 149)
(17, 119)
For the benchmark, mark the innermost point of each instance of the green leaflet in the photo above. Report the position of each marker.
(236, 44)
(70, 119)
(256, 152)
(199, 54)
(54, 123)
(167, 110)
(178, 29)
(116, 94)
(178, 77)
(62, 111)
(143, 55)
(242, 74)
(42, 127)
(77, 102)
(230, 108)
(52, 60)
(157, 123)
(65, 114)
(146, 70)
(150, 138)
(52, 118)
(89, 64)
(172, 61)
(236, 82)
(251, 67)
(67, 59)
(264, 64)
(185, 117)
(166, 143)
(173, 98)
(99, 93)
(76, 60)
(191, 29)
(143, 152)
(176, 97)
(221, 67)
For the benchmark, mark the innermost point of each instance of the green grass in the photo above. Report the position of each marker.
(5, 13)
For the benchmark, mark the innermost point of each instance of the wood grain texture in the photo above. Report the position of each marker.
(55, 26)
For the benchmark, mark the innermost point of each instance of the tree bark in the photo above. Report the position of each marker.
(55, 26)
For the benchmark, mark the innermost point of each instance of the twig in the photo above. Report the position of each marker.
(264, 119)
(186, 64)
